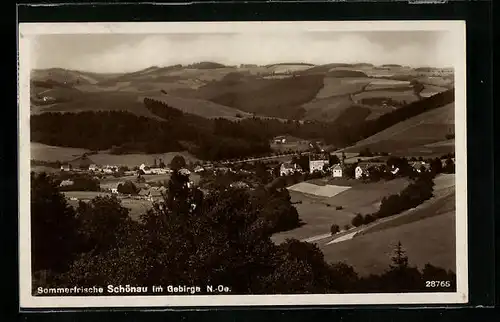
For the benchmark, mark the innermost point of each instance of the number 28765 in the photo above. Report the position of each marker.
(432, 284)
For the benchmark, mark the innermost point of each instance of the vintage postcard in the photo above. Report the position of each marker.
(211, 164)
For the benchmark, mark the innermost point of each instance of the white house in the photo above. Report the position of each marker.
(361, 170)
(66, 183)
(198, 169)
(287, 168)
(155, 171)
(279, 140)
(317, 165)
(184, 172)
(337, 171)
(65, 167)
(94, 167)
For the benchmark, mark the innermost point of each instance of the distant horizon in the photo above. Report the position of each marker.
(237, 66)
(123, 53)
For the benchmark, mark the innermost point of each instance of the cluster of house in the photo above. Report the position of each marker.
(362, 169)
(84, 163)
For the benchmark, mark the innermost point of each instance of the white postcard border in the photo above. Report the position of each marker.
(27, 300)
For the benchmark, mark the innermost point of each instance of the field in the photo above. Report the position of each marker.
(413, 135)
(317, 190)
(137, 207)
(49, 153)
(200, 107)
(340, 86)
(42, 152)
(430, 240)
(319, 213)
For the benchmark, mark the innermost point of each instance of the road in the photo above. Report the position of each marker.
(266, 158)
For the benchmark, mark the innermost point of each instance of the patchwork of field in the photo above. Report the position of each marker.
(213, 90)
(316, 190)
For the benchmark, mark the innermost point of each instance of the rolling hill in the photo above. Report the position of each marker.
(335, 92)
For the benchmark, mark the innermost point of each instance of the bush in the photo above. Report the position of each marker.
(357, 220)
(339, 208)
(347, 227)
(334, 229)
(369, 219)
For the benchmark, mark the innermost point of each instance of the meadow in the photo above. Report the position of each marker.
(319, 213)
(371, 253)
(43, 152)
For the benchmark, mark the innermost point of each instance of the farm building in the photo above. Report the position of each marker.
(337, 171)
(94, 167)
(65, 183)
(279, 140)
(66, 167)
(287, 168)
(198, 169)
(317, 165)
(156, 171)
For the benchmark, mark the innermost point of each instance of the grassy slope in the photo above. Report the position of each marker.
(426, 128)
(200, 107)
(370, 253)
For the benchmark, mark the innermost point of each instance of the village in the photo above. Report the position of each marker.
(146, 182)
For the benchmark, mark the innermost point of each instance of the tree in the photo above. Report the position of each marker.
(177, 162)
(399, 258)
(334, 229)
(417, 88)
(128, 188)
(449, 166)
(53, 226)
(436, 166)
(333, 160)
(98, 218)
(357, 220)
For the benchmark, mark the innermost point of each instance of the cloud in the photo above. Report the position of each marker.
(257, 48)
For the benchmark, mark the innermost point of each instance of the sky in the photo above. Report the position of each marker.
(116, 53)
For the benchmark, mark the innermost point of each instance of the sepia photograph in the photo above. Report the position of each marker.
(242, 163)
